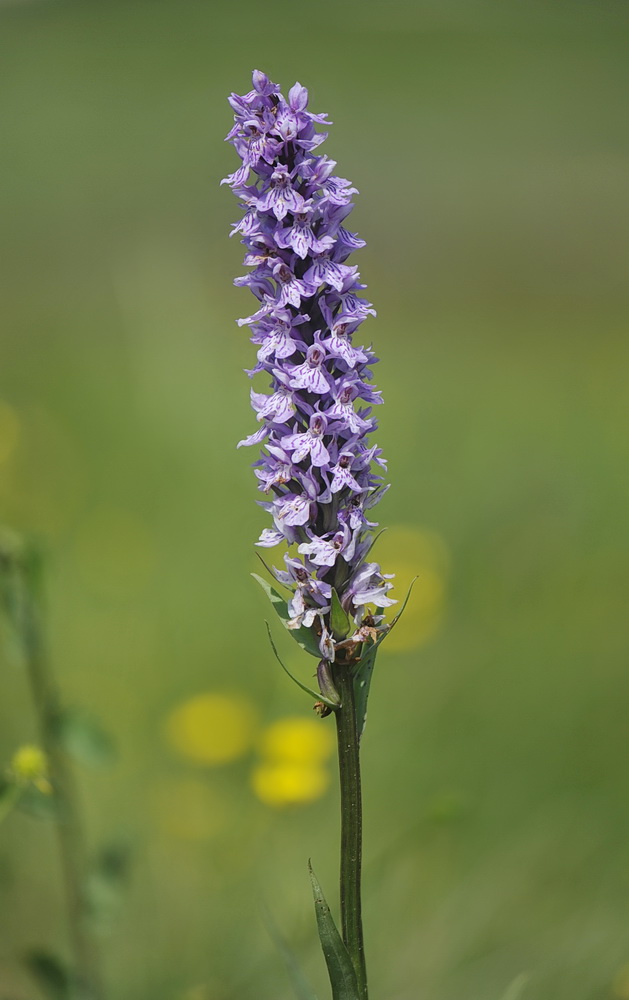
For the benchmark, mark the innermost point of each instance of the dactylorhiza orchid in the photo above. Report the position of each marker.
(318, 470)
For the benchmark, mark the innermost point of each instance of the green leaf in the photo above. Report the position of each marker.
(83, 738)
(304, 637)
(303, 989)
(105, 885)
(314, 694)
(50, 974)
(339, 619)
(362, 683)
(364, 671)
(515, 989)
(340, 968)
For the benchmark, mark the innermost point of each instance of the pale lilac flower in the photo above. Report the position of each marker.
(311, 374)
(309, 443)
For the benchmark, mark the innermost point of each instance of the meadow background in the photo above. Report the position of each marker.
(490, 143)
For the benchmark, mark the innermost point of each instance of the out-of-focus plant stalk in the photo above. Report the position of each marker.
(69, 827)
(351, 824)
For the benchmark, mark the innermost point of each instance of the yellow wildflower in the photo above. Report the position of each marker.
(283, 784)
(297, 740)
(212, 728)
(30, 766)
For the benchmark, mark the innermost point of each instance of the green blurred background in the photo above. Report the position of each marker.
(489, 142)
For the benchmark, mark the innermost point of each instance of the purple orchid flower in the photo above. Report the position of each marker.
(316, 461)
(309, 443)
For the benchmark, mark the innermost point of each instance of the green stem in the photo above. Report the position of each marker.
(351, 825)
(68, 823)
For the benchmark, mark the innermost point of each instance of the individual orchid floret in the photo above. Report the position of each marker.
(309, 443)
(369, 586)
(312, 373)
(324, 551)
(277, 408)
(269, 538)
(342, 474)
(300, 236)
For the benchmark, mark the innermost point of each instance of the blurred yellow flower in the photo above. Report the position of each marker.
(295, 740)
(187, 809)
(9, 431)
(284, 783)
(410, 552)
(29, 766)
(212, 728)
(292, 771)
